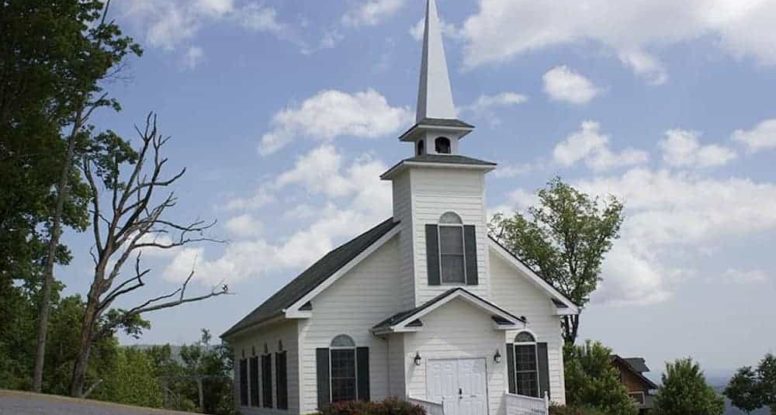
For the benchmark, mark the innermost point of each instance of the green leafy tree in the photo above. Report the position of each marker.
(766, 372)
(751, 389)
(592, 382)
(685, 392)
(564, 239)
(132, 381)
(743, 390)
(53, 57)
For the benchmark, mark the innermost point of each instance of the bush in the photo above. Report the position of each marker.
(571, 410)
(592, 383)
(390, 406)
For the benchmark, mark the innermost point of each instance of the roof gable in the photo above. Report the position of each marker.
(408, 318)
(562, 303)
(312, 277)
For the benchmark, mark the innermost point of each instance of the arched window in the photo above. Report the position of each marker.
(526, 364)
(442, 145)
(451, 249)
(343, 368)
(421, 147)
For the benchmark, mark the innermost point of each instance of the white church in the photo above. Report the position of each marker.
(424, 306)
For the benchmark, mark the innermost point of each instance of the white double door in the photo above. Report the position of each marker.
(460, 384)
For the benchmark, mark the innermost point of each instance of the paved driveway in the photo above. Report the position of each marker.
(25, 403)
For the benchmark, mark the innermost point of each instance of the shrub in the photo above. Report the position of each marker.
(592, 383)
(390, 406)
(571, 410)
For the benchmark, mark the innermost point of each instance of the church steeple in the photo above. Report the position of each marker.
(437, 128)
(435, 98)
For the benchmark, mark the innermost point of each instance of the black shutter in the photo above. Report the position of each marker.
(266, 380)
(511, 368)
(253, 369)
(362, 377)
(322, 370)
(243, 382)
(281, 380)
(544, 369)
(432, 254)
(470, 251)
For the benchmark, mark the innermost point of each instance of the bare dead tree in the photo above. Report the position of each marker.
(127, 219)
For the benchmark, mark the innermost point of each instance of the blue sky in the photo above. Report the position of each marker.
(286, 112)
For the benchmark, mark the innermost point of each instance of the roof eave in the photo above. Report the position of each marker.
(412, 133)
(400, 167)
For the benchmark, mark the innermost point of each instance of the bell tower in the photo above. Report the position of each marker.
(439, 194)
(437, 128)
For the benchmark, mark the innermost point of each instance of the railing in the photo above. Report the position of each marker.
(431, 408)
(527, 405)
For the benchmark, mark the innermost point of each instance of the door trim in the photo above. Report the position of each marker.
(485, 361)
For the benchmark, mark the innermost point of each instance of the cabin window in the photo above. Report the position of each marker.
(421, 147)
(343, 369)
(451, 249)
(442, 145)
(526, 365)
(266, 380)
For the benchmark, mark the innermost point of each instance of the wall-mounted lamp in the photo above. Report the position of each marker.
(497, 356)
(417, 359)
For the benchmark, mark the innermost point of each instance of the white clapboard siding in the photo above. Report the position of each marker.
(457, 330)
(396, 359)
(434, 192)
(402, 212)
(363, 297)
(254, 340)
(513, 292)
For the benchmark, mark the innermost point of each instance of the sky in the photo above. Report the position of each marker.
(286, 112)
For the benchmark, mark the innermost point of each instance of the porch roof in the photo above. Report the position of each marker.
(410, 318)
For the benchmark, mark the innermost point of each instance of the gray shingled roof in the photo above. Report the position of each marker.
(439, 159)
(312, 277)
(448, 159)
(637, 363)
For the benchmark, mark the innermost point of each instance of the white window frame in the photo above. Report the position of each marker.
(536, 358)
(643, 397)
(463, 249)
(355, 363)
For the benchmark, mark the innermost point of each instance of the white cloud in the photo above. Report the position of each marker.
(168, 24)
(357, 202)
(761, 137)
(504, 99)
(668, 213)
(243, 226)
(740, 276)
(260, 19)
(484, 105)
(508, 171)
(330, 114)
(592, 147)
(371, 12)
(503, 29)
(682, 148)
(564, 84)
(193, 57)
(448, 29)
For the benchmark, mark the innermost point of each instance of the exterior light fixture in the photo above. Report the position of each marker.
(417, 359)
(497, 356)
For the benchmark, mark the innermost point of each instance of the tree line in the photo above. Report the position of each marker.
(61, 172)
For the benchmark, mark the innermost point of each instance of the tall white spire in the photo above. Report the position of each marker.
(435, 99)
